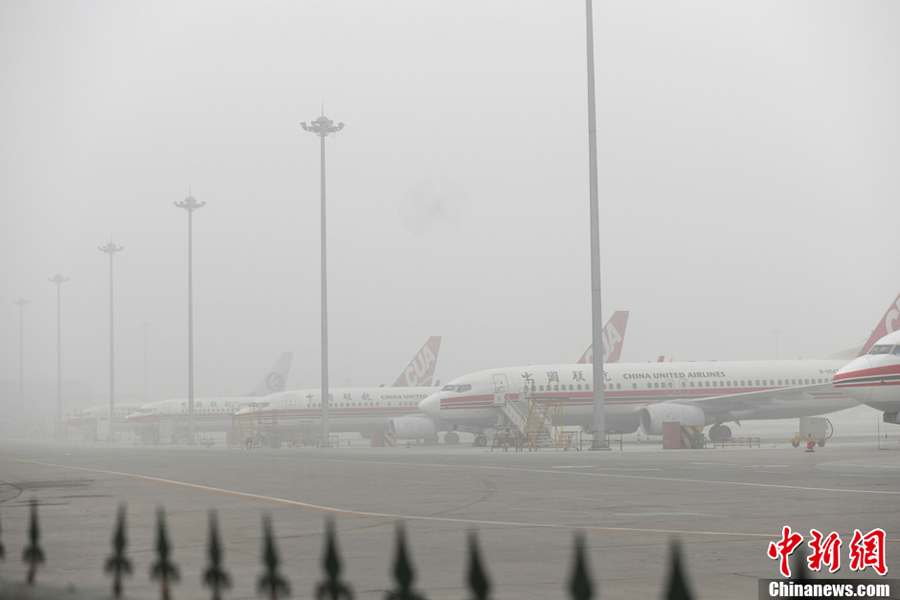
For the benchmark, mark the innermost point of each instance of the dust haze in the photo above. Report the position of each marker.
(748, 175)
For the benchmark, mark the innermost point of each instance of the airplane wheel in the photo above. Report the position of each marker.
(481, 440)
(451, 438)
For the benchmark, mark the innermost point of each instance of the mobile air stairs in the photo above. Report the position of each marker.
(529, 421)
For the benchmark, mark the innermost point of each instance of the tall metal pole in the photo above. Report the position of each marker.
(190, 205)
(111, 249)
(322, 127)
(21, 302)
(598, 423)
(58, 280)
(145, 325)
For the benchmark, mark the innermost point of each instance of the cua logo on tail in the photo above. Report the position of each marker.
(420, 371)
(889, 324)
(613, 335)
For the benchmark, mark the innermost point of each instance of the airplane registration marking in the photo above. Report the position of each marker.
(393, 517)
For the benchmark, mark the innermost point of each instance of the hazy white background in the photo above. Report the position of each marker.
(749, 160)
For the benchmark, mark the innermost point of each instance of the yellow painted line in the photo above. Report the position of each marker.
(393, 517)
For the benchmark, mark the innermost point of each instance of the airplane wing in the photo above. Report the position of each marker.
(751, 400)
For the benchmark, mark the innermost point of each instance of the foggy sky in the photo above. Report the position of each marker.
(748, 163)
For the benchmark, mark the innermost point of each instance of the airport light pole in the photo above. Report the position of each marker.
(322, 127)
(190, 205)
(598, 422)
(21, 302)
(145, 326)
(111, 249)
(58, 280)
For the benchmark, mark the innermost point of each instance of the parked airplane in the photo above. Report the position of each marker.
(421, 426)
(93, 422)
(646, 395)
(874, 377)
(393, 409)
(210, 414)
(362, 409)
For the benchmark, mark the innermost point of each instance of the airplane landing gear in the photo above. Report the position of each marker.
(481, 440)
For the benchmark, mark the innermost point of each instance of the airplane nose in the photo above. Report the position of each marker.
(431, 405)
(844, 379)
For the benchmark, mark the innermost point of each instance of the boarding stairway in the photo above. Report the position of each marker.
(537, 421)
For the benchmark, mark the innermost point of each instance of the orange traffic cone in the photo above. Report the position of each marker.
(639, 437)
(809, 444)
(407, 444)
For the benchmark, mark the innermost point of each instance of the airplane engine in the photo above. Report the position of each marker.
(413, 428)
(653, 416)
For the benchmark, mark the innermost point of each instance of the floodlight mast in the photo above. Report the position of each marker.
(598, 423)
(111, 249)
(58, 280)
(21, 302)
(322, 127)
(190, 205)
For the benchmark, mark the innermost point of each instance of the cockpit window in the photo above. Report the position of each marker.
(896, 351)
(456, 388)
(881, 349)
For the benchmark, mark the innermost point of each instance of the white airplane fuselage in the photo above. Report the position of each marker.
(762, 389)
(210, 414)
(358, 409)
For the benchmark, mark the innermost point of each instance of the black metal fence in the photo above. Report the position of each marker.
(272, 584)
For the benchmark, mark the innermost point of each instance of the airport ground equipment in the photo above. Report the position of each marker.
(819, 429)
(737, 441)
(537, 420)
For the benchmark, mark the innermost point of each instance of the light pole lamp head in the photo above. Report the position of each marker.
(58, 279)
(322, 126)
(21, 302)
(190, 204)
(111, 248)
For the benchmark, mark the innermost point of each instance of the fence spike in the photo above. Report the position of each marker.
(677, 585)
(580, 585)
(270, 581)
(478, 580)
(215, 576)
(332, 587)
(33, 555)
(117, 563)
(800, 570)
(163, 569)
(403, 571)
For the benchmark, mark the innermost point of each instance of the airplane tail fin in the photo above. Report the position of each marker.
(276, 378)
(889, 323)
(420, 371)
(613, 336)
